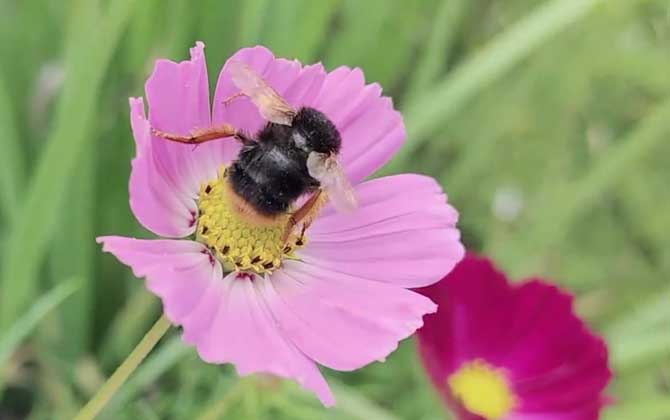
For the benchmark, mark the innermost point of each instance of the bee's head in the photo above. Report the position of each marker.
(319, 132)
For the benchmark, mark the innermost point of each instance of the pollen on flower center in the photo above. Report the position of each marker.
(239, 243)
(482, 389)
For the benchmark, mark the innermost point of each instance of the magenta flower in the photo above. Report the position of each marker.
(498, 351)
(337, 295)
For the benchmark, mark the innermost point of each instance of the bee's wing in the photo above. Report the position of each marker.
(272, 106)
(334, 182)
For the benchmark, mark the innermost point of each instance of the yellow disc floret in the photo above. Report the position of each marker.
(236, 240)
(483, 390)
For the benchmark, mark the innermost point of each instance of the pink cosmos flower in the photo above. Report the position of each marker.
(498, 351)
(339, 296)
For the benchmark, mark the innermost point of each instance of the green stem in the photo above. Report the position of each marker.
(107, 391)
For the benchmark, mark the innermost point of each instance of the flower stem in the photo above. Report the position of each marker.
(107, 391)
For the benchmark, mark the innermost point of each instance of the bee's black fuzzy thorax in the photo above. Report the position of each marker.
(271, 174)
(321, 134)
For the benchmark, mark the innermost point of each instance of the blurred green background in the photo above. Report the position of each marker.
(547, 122)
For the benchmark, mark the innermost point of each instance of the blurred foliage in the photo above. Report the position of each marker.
(547, 122)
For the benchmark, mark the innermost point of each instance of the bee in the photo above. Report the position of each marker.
(293, 155)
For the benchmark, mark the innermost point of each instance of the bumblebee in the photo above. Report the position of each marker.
(292, 156)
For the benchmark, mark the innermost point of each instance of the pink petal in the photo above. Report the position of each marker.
(403, 233)
(225, 318)
(178, 97)
(178, 271)
(341, 321)
(234, 325)
(293, 82)
(372, 130)
(155, 203)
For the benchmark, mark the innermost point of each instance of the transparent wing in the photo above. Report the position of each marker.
(334, 182)
(272, 106)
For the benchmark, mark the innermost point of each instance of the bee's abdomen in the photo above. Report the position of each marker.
(269, 179)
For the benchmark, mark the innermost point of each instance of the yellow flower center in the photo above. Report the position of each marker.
(482, 389)
(237, 241)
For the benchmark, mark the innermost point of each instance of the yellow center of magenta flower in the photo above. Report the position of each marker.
(482, 389)
(237, 241)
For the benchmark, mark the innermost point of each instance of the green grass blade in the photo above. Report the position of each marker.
(356, 406)
(25, 325)
(218, 408)
(251, 22)
(12, 171)
(633, 350)
(129, 325)
(438, 48)
(88, 57)
(653, 312)
(181, 22)
(218, 28)
(162, 360)
(72, 256)
(298, 27)
(656, 408)
(428, 112)
(385, 56)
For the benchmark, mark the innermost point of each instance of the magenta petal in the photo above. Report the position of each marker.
(403, 233)
(342, 322)
(234, 325)
(556, 367)
(590, 411)
(155, 203)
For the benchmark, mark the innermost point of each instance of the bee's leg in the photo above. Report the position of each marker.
(231, 98)
(202, 135)
(305, 214)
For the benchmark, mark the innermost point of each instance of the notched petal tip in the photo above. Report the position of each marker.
(135, 102)
(137, 113)
(104, 241)
(198, 50)
(138, 120)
